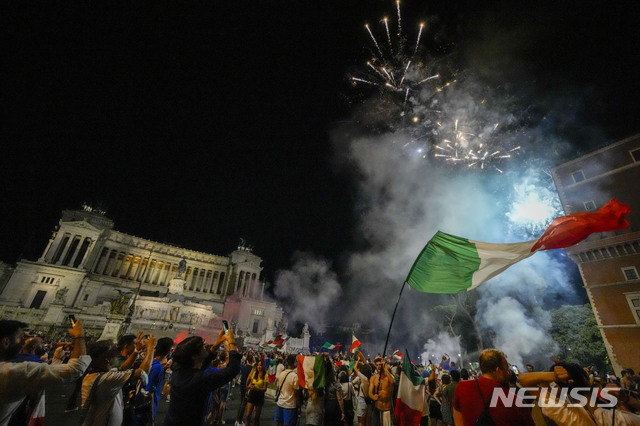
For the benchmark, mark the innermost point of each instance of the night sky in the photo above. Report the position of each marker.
(197, 123)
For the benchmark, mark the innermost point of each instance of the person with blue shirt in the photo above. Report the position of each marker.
(156, 374)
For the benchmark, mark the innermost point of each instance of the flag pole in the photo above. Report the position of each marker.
(384, 352)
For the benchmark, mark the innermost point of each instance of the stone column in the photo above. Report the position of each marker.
(46, 250)
(103, 269)
(136, 275)
(125, 267)
(146, 277)
(77, 250)
(111, 264)
(54, 247)
(215, 278)
(86, 254)
(66, 249)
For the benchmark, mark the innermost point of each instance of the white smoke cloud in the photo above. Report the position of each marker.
(440, 345)
(406, 194)
(309, 290)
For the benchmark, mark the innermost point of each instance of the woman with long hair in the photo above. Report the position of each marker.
(256, 387)
(334, 414)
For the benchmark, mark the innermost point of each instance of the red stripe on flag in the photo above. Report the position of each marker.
(405, 415)
(566, 231)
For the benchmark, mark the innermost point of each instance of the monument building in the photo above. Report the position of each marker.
(119, 283)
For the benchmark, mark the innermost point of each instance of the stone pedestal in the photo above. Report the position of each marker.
(54, 315)
(112, 327)
(176, 286)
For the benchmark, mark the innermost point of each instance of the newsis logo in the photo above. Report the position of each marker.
(554, 397)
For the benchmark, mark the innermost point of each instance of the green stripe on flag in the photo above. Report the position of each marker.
(408, 370)
(445, 265)
(318, 369)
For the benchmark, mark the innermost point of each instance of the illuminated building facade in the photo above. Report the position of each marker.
(609, 262)
(96, 273)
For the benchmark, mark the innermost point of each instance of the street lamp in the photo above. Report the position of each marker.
(126, 324)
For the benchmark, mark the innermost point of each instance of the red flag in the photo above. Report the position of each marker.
(181, 336)
(354, 343)
(566, 231)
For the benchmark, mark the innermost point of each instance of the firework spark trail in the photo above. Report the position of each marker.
(405, 73)
(418, 40)
(363, 81)
(374, 40)
(386, 25)
(399, 19)
(376, 70)
(387, 74)
(428, 78)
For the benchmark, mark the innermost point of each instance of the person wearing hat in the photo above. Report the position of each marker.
(193, 379)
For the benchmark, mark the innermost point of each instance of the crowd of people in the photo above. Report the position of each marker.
(123, 383)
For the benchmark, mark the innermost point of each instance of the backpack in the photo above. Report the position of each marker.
(484, 419)
(132, 400)
(84, 409)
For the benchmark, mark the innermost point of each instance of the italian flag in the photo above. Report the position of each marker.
(330, 346)
(311, 371)
(397, 354)
(354, 344)
(410, 402)
(450, 264)
(271, 370)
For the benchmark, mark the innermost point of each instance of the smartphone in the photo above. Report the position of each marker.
(225, 325)
(72, 320)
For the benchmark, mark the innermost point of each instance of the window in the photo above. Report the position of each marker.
(630, 273)
(577, 176)
(258, 312)
(589, 205)
(37, 300)
(86, 297)
(635, 154)
(634, 304)
(256, 324)
(46, 279)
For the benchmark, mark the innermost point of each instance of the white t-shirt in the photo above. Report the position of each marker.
(565, 415)
(363, 391)
(106, 407)
(287, 398)
(22, 378)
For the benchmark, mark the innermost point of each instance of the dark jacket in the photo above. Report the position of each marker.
(190, 388)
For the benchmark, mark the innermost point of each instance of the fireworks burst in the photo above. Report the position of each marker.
(470, 149)
(419, 101)
(534, 205)
(391, 68)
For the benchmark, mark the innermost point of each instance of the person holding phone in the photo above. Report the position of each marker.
(28, 377)
(102, 394)
(192, 379)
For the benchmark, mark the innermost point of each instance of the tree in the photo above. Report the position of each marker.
(576, 331)
(458, 319)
